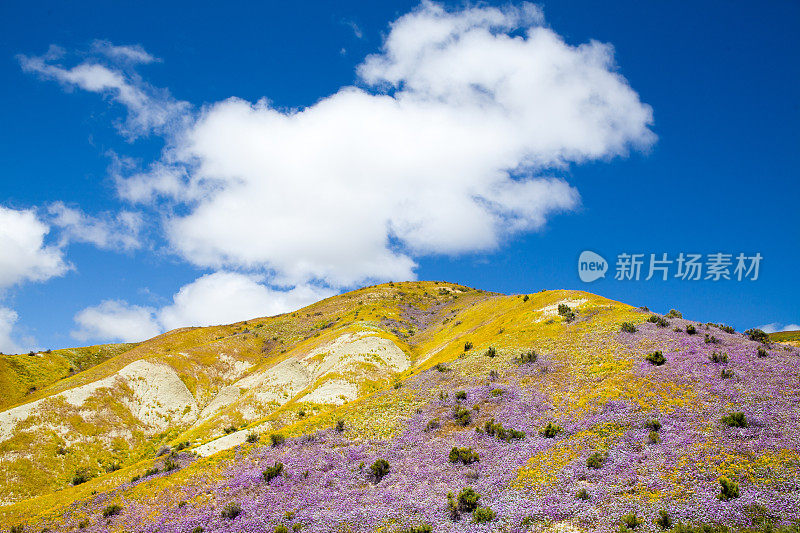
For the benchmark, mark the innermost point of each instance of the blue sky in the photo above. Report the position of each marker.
(137, 196)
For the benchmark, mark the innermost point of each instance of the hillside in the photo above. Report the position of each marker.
(562, 422)
(789, 337)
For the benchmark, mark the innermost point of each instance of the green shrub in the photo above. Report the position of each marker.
(726, 374)
(441, 367)
(550, 430)
(664, 521)
(151, 472)
(467, 346)
(653, 437)
(466, 456)
(497, 392)
(656, 358)
(582, 494)
(424, 528)
(711, 339)
(339, 426)
(658, 321)
(526, 298)
(111, 510)
(567, 312)
(461, 416)
(674, 313)
(461, 395)
(726, 329)
(280, 528)
(432, 424)
(380, 468)
(276, 439)
(718, 357)
(762, 352)
(728, 489)
(756, 334)
(631, 521)
(653, 424)
(690, 329)
(252, 438)
(628, 327)
(735, 420)
(468, 500)
(273, 471)
(596, 460)
(491, 352)
(482, 515)
(230, 429)
(183, 445)
(526, 357)
(82, 476)
(170, 465)
(496, 429)
(231, 510)
(19, 528)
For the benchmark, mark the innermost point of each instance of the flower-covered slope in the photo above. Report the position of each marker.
(556, 411)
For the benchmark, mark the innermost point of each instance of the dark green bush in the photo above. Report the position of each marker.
(441, 367)
(497, 392)
(483, 514)
(151, 472)
(582, 494)
(230, 429)
(339, 426)
(735, 420)
(280, 528)
(468, 500)
(628, 327)
(231, 510)
(170, 465)
(718, 357)
(567, 312)
(728, 489)
(461, 416)
(756, 334)
(711, 339)
(82, 476)
(380, 468)
(19, 528)
(276, 439)
(461, 395)
(491, 352)
(726, 329)
(496, 429)
(690, 329)
(658, 320)
(653, 437)
(183, 445)
(656, 358)
(762, 352)
(726, 374)
(467, 346)
(111, 510)
(596, 460)
(466, 456)
(674, 313)
(432, 424)
(272, 472)
(252, 438)
(631, 521)
(550, 430)
(653, 424)
(424, 528)
(664, 521)
(527, 357)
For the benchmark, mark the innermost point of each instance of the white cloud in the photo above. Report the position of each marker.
(132, 53)
(7, 319)
(25, 256)
(218, 298)
(149, 109)
(226, 297)
(447, 146)
(115, 232)
(116, 320)
(775, 327)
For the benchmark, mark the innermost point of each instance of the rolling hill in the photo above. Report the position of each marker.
(407, 406)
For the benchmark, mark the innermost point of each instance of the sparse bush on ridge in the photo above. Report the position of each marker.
(726, 329)
(674, 313)
(252, 437)
(656, 358)
(628, 327)
(658, 321)
(711, 339)
(467, 346)
(567, 312)
(690, 329)
(756, 334)
(716, 357)
(82, 476)
(111, 510)
(491, 352)
(461, 416)
(526, 298)
(496, 429)
(276, 439)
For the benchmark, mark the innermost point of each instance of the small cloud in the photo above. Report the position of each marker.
(131, 53)
(775, 327)
(8, 317)
(353, 26)
(116, 320)
(119, 231)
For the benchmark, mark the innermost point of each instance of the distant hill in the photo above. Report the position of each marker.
(406, 405)
(792, 337)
